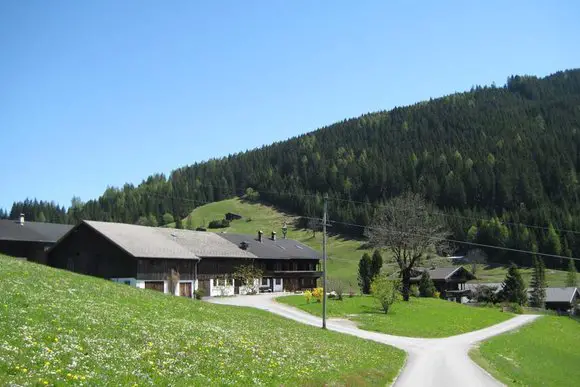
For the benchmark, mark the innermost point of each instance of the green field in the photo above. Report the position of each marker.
(58, 327)
(420, 317)
(545, 353)
(490, 273)
(343, 252)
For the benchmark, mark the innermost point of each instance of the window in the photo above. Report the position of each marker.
(127, 282)
(278, 281)
(264, 281)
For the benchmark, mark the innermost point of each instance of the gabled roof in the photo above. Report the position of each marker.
(561, 294)
(142, 241)
(268, 248)
(444, 273)
(32, 231)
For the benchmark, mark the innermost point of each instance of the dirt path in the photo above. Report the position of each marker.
(430, 362)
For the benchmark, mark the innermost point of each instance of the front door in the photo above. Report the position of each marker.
(185, 289)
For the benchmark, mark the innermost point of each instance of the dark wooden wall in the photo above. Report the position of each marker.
(160, 269)
(87, 252)
(32, 251)
(209, 267)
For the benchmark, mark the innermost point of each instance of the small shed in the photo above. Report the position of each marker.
(562, 299)
(231, 216)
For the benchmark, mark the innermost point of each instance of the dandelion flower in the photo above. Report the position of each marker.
(45, 382)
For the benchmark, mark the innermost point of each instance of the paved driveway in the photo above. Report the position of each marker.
(430, 362)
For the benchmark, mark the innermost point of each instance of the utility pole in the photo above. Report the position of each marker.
(324, 218)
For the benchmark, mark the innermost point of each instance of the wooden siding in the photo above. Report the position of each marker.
(32, 251)
(159, 269)
(87, 252)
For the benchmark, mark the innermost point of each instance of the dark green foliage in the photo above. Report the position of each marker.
(221, 223)
(364, 273)
(514, 288)
(376, 263)
(571, 278)
(167, 218)
(509, 155)
(426, 286)
(486, 294)
(538, 284)
(178, 222)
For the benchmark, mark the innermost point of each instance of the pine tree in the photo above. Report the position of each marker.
(426, 286)
(364, 273)
(514, 288)
(41, 217)
(571, 278)
(376, 263)
(538, 284)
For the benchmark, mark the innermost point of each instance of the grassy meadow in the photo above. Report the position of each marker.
(420, 317)
(343, 252)
(61, 328)
(544, 353)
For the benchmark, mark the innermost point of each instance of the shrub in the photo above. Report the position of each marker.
(436, 294)
(350, 290)
(308, 296)
(385, 290)
(198, 294)
(426, 286)
(414, 291)
(337, 286)
(221, 223)
(513, 307)
(317, 293)
(485, 294)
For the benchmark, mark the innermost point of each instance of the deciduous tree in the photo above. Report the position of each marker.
(407, 227)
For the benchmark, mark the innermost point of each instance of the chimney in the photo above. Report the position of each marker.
(273, 235)
(22, 219)
(260, 236)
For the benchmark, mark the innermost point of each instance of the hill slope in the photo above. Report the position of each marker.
(343, 252)
(58, 327)
(511, 152)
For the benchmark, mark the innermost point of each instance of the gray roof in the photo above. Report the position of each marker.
(270, 249)
(32, 231)
(561, 294)
(142, 241)
(443, 273)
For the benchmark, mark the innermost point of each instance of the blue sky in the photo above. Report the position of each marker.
(97, 93)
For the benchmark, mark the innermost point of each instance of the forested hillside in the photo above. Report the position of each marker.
(495, 160)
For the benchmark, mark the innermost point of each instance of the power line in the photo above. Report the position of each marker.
(562, 230)
(457, 241)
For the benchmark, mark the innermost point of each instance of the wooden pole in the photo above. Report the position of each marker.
(324, 217)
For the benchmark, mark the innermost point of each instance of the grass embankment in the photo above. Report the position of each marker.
(60, 328)
(544, 353)
(420, 317)
(343, 252)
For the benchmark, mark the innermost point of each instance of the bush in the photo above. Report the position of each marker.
(513, 307)
(414, 291)
(436, 294)
(485, 294)
(317, 293)
(385, 290)
(219, 223)
(308, 296)
(350, 290)
(337, 286)
(198, 294)
(426, 286)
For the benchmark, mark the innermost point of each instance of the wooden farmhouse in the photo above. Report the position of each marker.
(145, 257)
(30, 240)
(449, 281)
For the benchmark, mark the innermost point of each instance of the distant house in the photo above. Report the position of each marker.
(231, 216)
(449, 281)
(30, 240)
(144, 257)
(562, 299)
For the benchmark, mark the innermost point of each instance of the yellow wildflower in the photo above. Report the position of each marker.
(56, 339)
(24, 370)
(83, 378)
(76, 377)
(69, 375)
(45, 382)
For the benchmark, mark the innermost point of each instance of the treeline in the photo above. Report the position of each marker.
(485, 157)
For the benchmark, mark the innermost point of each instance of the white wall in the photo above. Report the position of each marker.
(221, 289)
(254, 288)
(132, 281)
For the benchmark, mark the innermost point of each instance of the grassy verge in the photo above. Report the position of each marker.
(544, 353)
(420, 317)
(61, 328)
